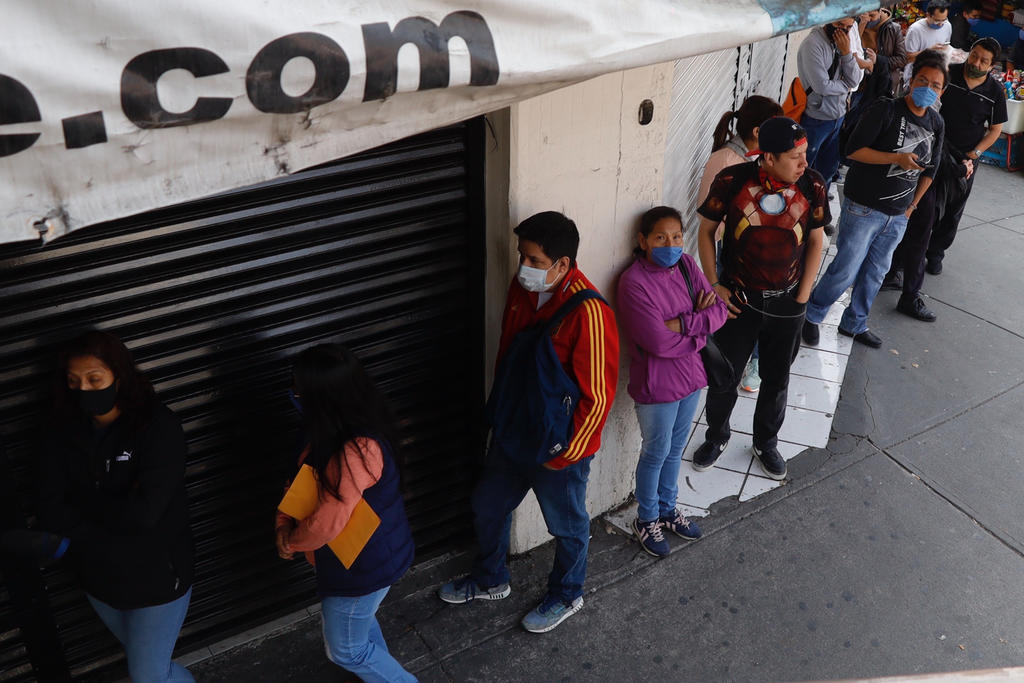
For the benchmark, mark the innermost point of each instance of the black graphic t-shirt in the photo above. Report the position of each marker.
(889, 126)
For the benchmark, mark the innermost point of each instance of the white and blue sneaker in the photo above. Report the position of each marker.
(551, 612)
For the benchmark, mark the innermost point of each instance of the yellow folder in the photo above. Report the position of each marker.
(300, 501)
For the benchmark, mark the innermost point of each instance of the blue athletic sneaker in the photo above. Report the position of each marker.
(650, 537)
(466, 589)
(551, 612)
(681, 526)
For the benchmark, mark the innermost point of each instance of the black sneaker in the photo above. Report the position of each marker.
(706, 456)
(915, 308)
(810, 333)
(771, 462)
(934, 266)
(893, 282)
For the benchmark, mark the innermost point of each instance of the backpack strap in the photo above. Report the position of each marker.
(567, 308)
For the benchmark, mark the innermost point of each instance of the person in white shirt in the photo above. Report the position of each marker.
(932, 32)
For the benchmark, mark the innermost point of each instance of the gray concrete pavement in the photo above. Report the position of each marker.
(898, 549)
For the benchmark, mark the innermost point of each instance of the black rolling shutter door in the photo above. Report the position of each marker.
(382, 251)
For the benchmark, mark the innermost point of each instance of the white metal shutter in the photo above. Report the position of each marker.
(703, 88)
(768, 68)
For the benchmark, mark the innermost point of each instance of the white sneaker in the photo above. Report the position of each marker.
(751, 381)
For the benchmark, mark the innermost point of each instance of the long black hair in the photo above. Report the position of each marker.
(754, 111)
(340, 404)
(135, 395)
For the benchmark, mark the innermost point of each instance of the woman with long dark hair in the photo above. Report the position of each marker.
(353, 452)
(112, 482)
(734, 138)
(667, 308)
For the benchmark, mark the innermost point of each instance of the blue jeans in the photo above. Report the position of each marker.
(663, 428)
(823, 153)
(562, 495)
(353, 639)
(867, 238)
(148, 635)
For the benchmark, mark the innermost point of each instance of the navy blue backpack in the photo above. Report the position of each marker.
(533, 399)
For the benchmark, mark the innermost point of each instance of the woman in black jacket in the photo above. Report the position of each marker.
(112, 482)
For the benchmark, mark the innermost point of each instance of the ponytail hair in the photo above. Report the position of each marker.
(723, 131)
(754, 111)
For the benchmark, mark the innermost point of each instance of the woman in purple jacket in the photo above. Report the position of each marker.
(668, 328)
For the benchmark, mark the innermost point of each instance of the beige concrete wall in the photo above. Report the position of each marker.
(581, 150)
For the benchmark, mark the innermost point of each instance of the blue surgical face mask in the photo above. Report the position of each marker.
(974, 22)
(666, 257)
(923, 96)
(873, 24)
(534, 279)
(936, 26)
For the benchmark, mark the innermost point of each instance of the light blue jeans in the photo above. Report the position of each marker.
(353, 639)
(864, 247)
(663, 428)
(148, 635)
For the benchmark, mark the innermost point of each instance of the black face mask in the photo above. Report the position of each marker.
(99, 402)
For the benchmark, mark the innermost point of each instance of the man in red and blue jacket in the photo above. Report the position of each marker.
(587, 345)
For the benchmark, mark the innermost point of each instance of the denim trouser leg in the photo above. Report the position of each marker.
(858, 227)
(353, 639)
(872, 271)
(663, 429)
(148, 635)
(823, 152)
(499, 492)
(562, 495)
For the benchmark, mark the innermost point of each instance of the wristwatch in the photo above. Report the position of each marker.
(977, 153)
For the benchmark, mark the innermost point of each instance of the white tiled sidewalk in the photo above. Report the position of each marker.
(815, 379)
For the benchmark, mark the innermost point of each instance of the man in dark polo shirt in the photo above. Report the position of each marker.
(774, 211)
(974, 109)
(894, 150)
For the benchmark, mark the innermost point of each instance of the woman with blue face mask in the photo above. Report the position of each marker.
(667, 326)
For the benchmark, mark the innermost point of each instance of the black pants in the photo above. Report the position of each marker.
(949, 210)
(779, 341)
(910, 253)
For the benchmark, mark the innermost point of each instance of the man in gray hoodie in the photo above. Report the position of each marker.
(828, 70)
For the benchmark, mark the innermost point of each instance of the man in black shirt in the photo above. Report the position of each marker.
(894, 150)
(974, 109)
(963, 25)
